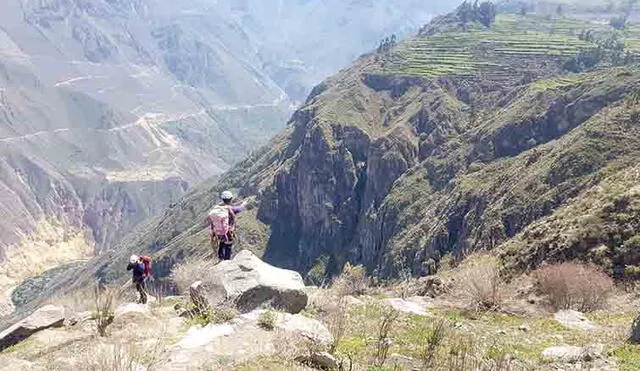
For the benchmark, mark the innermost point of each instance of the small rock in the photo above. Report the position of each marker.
(197, 293)
(405, 306)
(573, 320)
(569, 354)
(523, 328)
(593, 352)
(573, 354)
(321, 360)
(502, 332)
(307, 327)
(45, 317)
(634, 333)
(78, 318)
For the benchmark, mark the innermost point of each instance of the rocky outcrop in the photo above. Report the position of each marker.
(198, 296)
(43, 318)
(251, 283)
(243, 338)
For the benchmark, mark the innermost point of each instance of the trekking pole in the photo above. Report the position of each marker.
(124, 287)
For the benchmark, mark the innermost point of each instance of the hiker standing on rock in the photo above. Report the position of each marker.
(222, 219)
(141, 266)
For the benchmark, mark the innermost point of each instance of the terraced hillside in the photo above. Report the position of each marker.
(463, 138)
(498, 50)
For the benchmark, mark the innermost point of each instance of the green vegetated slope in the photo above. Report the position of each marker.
(509, 137)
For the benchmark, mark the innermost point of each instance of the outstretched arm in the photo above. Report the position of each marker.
(237, 209)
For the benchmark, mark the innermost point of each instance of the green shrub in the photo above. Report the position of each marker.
(318, 273)
(218, 315)
(267, 320)
(619, 23)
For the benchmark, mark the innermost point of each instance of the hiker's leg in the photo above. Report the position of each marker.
(143, 293)
(220, 250)
(140, 291)
(214, 242)
(227, 252)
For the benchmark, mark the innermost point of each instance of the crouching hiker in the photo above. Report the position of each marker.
(222, 219)
(141, 267)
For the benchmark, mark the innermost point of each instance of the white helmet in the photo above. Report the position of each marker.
(227, 195)
(133, 259)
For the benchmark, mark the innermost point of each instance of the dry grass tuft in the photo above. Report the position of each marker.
(481, 284)
(574, 286)
(387, 321)
(104, 302)
(191, 270)
(123, 357)
(352, 281)
(337, 320)
(432, 343)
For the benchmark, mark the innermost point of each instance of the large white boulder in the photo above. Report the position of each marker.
(43, 318)
(252, 283)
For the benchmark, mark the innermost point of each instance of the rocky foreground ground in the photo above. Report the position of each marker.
(247, 315)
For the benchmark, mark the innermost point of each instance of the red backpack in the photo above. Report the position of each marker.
(146, 260)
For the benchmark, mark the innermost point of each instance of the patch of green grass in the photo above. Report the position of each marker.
(311, 311)
(19, 346)
(558, 83)
(548, 325)
(215, 315)
(628, 357)
(613, 319)
(355, 344)
(266, 363)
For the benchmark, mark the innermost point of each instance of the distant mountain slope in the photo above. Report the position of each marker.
(110, 109)
(461, 139)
